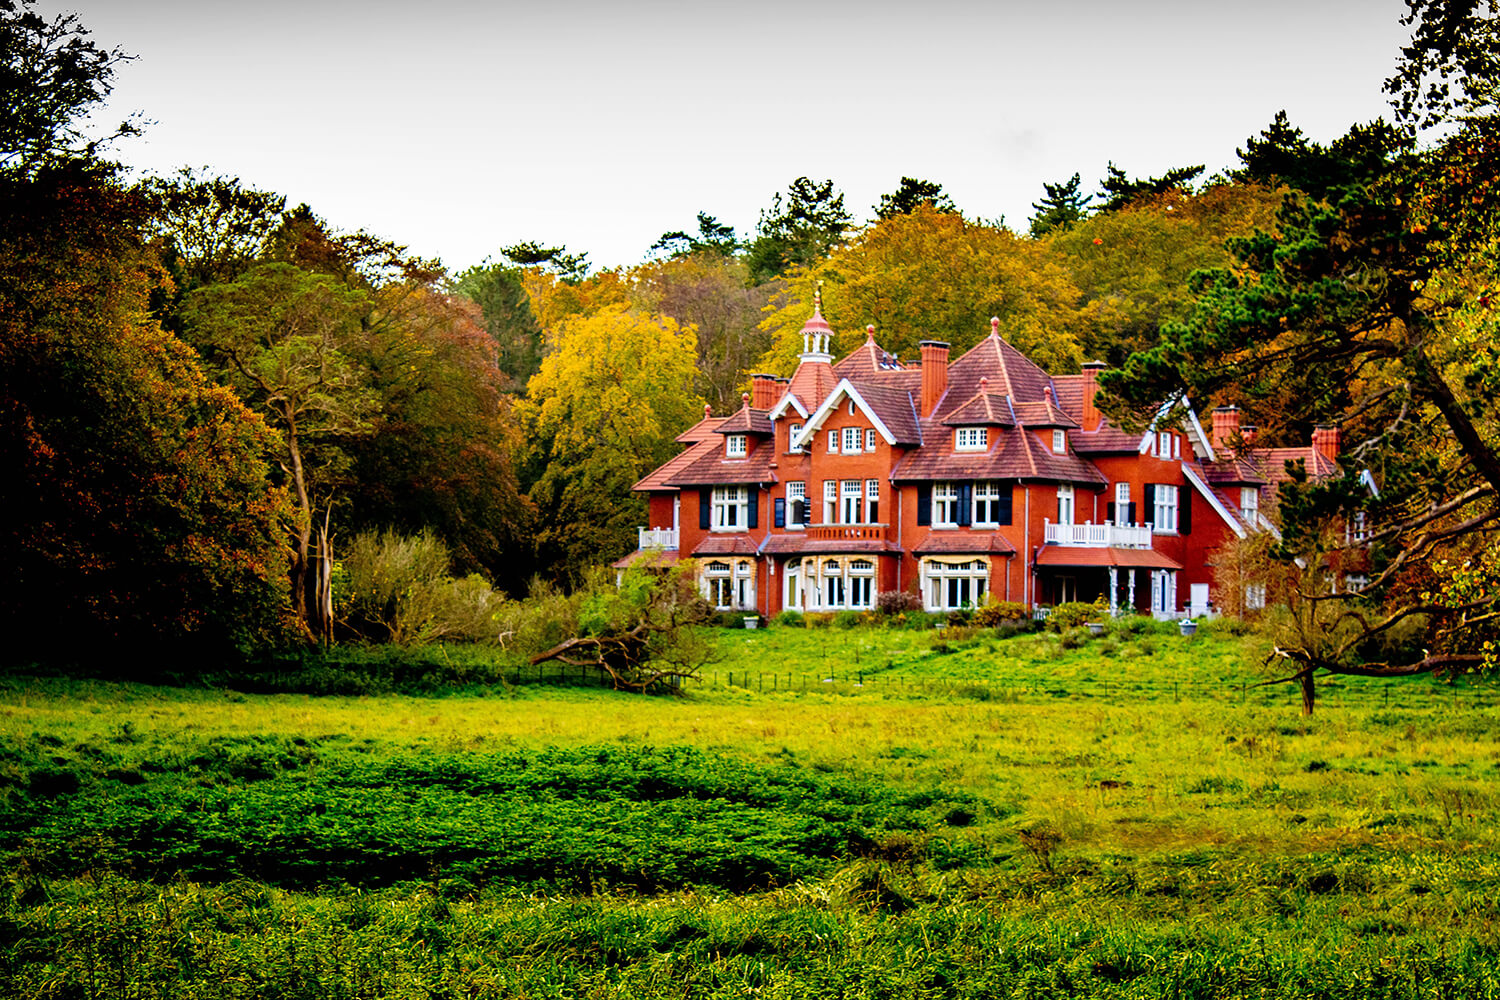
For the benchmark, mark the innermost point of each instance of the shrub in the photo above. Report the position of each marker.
(915, 620)
(789, 619)
(960, 616)
(894, 602)
(1001, 612)
(396, 588)
(817, 619)
(1074, 614)
(846, 619)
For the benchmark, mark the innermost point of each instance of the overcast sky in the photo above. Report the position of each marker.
(459, 126)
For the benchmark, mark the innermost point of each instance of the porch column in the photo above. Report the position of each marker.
(1114, 592)
(1131, 599)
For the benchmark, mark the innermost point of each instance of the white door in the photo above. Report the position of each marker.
(1197, 599)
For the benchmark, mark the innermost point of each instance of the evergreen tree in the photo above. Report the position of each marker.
(797, 231)
(1119, 190)
(1061, 207)
(909, 195)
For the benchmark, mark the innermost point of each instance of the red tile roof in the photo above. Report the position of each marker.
(726, 545)
(799, 544)
(660, 478)
(1009, 372)
(1013, 454)
(1071, 555)
(866, 359)
(699, 431)
(746, 421)
(895, 407)
(952, 543)
(712, 468)
(986, 409)
(1043, 414)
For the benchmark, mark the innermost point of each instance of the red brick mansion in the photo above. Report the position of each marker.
(961, 480)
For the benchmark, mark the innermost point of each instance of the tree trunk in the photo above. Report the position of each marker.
(323, 612)
(1305, 680)
(300, 554)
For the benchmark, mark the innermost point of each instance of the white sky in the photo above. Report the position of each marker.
(459, 126)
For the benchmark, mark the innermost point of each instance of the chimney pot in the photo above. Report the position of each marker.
(1325, 441)
(1226, 426)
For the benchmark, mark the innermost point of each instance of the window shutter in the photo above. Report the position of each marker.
(1130, 517)
(965, 504)
(1150, 502)
(705, 506)
(1184, 507)
(1005, 498)
(1109, 512)
(924, 504)
(778, 513)
(753, 516)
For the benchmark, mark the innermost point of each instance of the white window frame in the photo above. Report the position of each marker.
(1250, 503)
(736, 445)
(731, 508)
(1255, 596)
(872, 501)
(971, 439)
(791, 439)
(830, 500)
(870, 439)
(1164, 514)
(948, 586)
(852, 409)
(986, 503)
(1067, 504)
(945, 505)
(833, 442)
(852, 438)
(718, 585)
(1059, 442)
(851, 493)
(796, 490)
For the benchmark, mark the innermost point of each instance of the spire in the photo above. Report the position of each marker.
(816, 333)
(994, 326)
(870, 334)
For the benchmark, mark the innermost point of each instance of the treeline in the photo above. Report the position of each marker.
(207, 396)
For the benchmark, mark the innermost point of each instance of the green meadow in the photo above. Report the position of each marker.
(829, 813)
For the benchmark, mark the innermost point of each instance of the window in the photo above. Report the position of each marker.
(791, 438)
(872, 501)
(852, 410)
(718, 585)
(830, 500)
(730, 508)
(1059, 442)
(1250, 503)
(1359, 529)
(952, 585)
(744, 585)
(870, 439)
(833, 584)
(1164, 509)
(1122, 511)
(971, 439)
(1164, 442)
(1255, 596)
(1065, 501)
(851, 440)
(796, 504)
(852, 490)
(861, 590)
(989, 511)
(833, 442)
(838, 584)
(736, 446)
(1122, 493)
(945, 505)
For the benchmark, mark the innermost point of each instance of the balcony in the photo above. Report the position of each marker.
(657, 538)
(1090, 535)
(848, 532)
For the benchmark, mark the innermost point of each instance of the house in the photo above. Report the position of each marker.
(980, 477)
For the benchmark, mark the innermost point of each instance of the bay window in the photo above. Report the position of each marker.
(950, 585)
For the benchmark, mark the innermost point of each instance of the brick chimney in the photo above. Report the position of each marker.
(1226, 426)
(1091, 416)
(1247, 432)
(764, 391)
(934, 374)
(1325, 441)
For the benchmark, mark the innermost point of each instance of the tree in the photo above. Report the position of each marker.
(645, 632)
(215, 227)
(1118, 190)
(933, 275)
(500, 294)
(51, 75)
(570, 267)
(711, 293)
(713, 236)
(285, 339)
(603, 410)
(1354, 309)
(798, 231)
(135, 507)
(1061, 207)
(911, 193)
(1455, 44)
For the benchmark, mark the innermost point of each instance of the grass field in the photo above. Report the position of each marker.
(895, 814)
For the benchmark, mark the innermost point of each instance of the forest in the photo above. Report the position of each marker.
(229, 423)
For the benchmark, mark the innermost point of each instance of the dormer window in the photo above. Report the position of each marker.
(1250, 503)
(1059, 442)
(736, 446)
(791, 438)
(971, 439)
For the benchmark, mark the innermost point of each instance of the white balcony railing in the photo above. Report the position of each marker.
(657, 538)
(1120, 536)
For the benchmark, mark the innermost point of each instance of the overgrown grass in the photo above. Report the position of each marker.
(991, 825)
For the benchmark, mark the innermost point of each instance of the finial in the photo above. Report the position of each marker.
(984, 383)
(745, 398)
(870, 333)
(708, 411)
(818, 298)
(994, 326)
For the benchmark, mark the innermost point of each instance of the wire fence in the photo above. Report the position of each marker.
(1350, 692)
